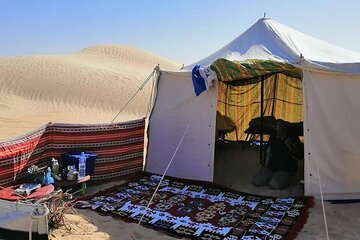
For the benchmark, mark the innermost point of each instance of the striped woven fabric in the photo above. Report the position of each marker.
(282, 99)
(239, 92)
(239, 73)
(119, 147)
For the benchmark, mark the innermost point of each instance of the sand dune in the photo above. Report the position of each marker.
(89, 86)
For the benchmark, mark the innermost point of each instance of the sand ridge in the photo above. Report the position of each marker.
(89, 86)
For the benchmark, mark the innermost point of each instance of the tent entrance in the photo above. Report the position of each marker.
(251, 96)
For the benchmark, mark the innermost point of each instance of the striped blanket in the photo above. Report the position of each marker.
(119, 147)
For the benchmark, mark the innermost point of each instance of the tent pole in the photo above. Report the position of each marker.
(261, 118)
(274, 96)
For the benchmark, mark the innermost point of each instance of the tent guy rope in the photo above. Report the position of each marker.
(319, 178)
(156, 69)
(168, 166)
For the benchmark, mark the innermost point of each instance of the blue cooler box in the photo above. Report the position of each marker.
(69, 159)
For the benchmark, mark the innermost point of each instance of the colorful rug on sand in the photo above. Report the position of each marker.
(196, 210)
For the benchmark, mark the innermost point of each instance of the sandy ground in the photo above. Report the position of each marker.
(235, 165)
(89, 86)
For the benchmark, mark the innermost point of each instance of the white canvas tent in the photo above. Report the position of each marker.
(331, 108)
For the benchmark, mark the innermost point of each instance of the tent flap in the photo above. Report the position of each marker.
(178, 114)
(332, 134)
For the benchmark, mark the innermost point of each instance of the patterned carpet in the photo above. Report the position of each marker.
(198, 210)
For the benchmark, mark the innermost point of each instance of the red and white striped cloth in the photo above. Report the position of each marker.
(119, 147)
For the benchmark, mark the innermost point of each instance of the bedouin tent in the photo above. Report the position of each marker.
(182, 126)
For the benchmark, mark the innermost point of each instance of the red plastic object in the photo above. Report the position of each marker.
(10, 195)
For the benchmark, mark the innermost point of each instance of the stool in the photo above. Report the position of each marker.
(66, 183)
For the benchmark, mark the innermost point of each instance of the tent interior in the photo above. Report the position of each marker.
(251, 95)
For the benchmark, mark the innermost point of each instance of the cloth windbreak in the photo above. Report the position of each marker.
(282, 99)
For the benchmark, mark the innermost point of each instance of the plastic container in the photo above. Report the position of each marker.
(82, 165)
(48, 179)
(72, 174)
(55, 166)
(74, 159)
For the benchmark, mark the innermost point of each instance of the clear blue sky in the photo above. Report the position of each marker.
(182, 30)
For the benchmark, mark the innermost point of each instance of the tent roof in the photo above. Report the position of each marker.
(270, 40)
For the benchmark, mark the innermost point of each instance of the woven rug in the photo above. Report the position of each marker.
(198, 210)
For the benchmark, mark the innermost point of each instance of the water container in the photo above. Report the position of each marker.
(48, 179)
(55, 166)
(82, 165)
(72, 174)
(73, 158)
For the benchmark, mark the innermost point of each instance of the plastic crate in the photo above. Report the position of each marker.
(69, 159)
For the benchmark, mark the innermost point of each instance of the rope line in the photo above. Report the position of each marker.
(319, 176)
(138, 90)
(322, 196)
(151, 98)
(167, 167)
(148, 110)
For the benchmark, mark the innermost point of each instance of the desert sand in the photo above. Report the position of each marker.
(89, 86)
